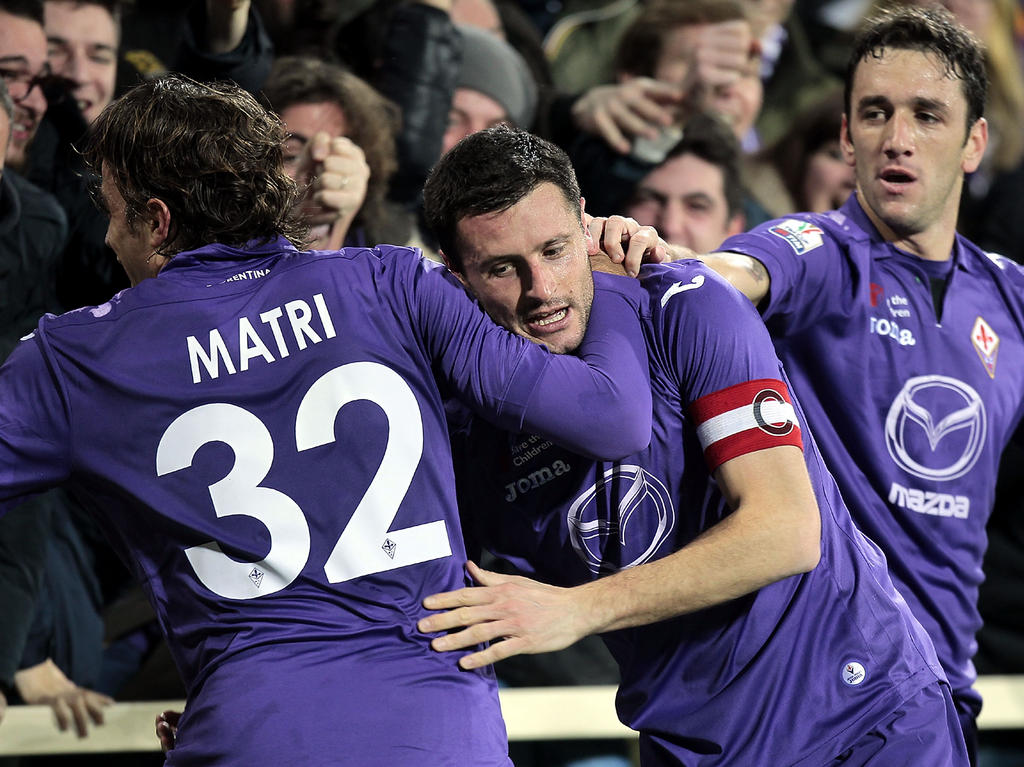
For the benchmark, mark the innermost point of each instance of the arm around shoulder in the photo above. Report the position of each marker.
(745, 273)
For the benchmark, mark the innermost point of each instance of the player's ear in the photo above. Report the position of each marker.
(588, 237)
(451, 268)
(845, 141)
(158, 222)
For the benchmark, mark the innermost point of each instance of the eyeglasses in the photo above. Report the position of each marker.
(20, 84)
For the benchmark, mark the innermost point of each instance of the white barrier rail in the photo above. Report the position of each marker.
(540, 713)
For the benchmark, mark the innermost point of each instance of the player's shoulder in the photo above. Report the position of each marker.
(1004, 269)
(688, 286)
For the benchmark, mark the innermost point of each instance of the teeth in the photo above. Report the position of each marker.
(559, 315)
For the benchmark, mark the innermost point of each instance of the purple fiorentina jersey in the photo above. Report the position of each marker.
(790, 674)
(912, 408)
(263, 435)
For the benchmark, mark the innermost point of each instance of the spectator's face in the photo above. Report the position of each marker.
(303, 121)
(82, 47)
(528, 267)
(905, 137)
(684, 199)
(737, 103)
(22, 63)
(471, 111)
(829, 180)
(5, 136)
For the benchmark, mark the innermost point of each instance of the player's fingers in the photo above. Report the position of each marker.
(643, 241)
(472, 635)
(447, 600)
(493, 653)
(455, 618)
(486, 577)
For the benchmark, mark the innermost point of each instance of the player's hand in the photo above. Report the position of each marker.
(529, 617)
(625, 242)
(336, 175)
(167, 729)
(45, 684)
(638, 107)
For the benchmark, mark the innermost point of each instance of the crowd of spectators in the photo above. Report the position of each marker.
(699, 117)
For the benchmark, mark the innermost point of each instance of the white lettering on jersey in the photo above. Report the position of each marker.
(215, 355)
(928, 502)
(888, 328)
(681, 287)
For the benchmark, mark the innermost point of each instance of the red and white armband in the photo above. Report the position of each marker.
(750, 416)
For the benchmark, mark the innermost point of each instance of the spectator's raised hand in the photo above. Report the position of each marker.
(638, 107)
(45, 684)
(336, 176)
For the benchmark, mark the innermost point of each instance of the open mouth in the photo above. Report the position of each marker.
(897, 176)
(547, 319)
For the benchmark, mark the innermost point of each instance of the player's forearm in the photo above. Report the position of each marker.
(746, 274)
(748, 550)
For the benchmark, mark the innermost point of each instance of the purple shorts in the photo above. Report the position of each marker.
(912, 735)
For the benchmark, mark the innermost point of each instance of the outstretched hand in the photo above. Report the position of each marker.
(527, 616)
(46, 684)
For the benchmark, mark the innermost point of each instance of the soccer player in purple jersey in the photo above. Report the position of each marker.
(752, 622)
(263, 437)
(904, 341)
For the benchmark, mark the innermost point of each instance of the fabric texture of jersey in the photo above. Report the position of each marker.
(911, 406)
(263, 431)
(790, 674)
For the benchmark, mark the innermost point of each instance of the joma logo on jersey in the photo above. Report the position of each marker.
(928, 502)
(880, 326)
(535, 479)
(802, 236)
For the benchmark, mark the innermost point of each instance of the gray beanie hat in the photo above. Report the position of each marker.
(494, 68)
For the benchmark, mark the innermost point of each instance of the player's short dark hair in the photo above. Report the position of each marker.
(708, 138)
(927, 30)
(211, 153)
(641, 44)
(26, 9)
(488, 172)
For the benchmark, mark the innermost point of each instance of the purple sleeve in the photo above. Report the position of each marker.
(598, 405)
(34, 437)
(711, 334)
(808, 271)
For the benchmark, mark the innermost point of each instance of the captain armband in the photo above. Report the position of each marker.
(754, 415)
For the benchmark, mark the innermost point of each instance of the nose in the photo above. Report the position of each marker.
(672, 222)
(898, 136)
(542, 284)
(76, 68)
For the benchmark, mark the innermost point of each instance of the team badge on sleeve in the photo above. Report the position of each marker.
(750, 416)
(802, 236)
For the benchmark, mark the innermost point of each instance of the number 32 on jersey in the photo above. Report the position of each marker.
(366, 545)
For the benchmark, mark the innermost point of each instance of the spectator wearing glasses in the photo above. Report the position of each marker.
(24, 68)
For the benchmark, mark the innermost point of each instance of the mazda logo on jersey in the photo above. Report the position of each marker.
(599, 519)
(766, 405)
(936, 427)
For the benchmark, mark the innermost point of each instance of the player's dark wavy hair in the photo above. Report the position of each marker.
(488, 172)
(211, 153)
(927, 30)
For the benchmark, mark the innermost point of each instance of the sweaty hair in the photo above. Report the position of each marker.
(489, 172)
(926, 30)
(642, 43)
(711, 140)
(211, 153)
